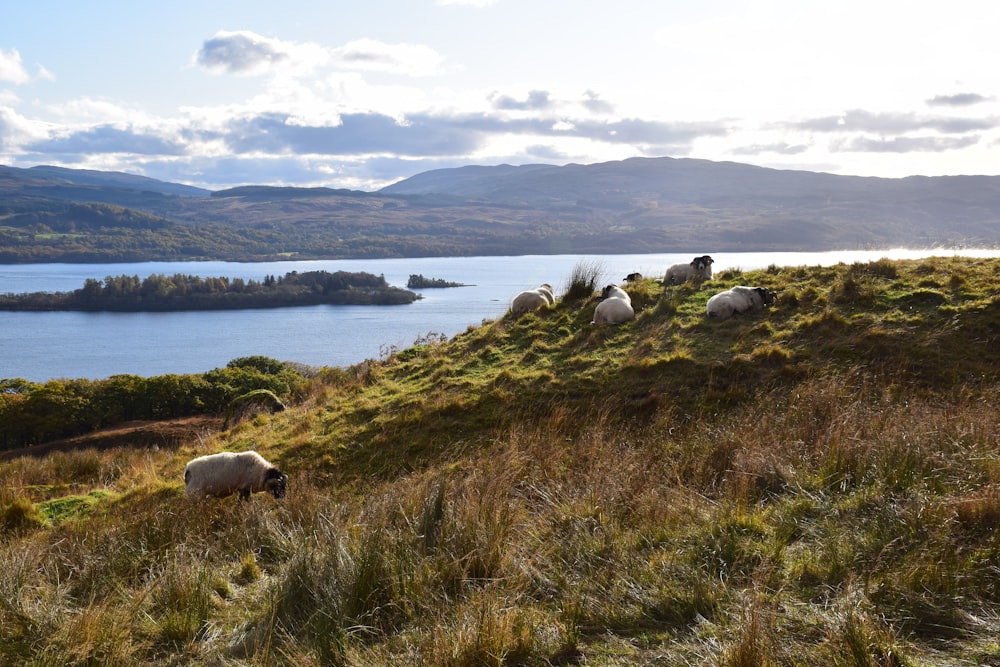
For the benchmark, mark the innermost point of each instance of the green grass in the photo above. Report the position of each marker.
(817, 484)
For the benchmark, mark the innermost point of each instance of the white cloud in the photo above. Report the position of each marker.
(852, 86)
(780, 148)
(861, 120)
(92, 110)
(593, 103)
(903, 144)
(536, 100)
(958, 100)
(247, 53)
(373, 55)
(44, 73)
(11, 68)
(16, 130)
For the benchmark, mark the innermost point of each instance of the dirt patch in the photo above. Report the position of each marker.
(138, 434)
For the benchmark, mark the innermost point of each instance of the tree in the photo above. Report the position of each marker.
(121, 398)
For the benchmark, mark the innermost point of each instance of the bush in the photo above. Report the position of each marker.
(584, 280)
(20, 515)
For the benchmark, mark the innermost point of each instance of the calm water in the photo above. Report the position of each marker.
(42, 346)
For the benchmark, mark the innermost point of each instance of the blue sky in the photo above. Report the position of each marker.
(362, 94)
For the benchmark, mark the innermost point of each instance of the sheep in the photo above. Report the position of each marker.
(739, 300)
(223, 474)
(532, 299)
(633, 277)
(615, 307)
(699, 267)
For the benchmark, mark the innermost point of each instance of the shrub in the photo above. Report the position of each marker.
(20, 514)
(584, 280)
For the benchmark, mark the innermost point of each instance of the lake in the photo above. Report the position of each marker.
(43, 346)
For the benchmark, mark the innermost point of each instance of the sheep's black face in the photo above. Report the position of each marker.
(768, 296)
(276, 483)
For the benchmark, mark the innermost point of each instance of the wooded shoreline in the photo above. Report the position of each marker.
(160, 293)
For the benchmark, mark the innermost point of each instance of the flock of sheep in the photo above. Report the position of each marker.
(227, 473)
(616, 305)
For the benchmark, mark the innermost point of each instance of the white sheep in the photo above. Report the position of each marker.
(739, 300)
(615, 307)
(545, 290)
(532, 299)
(226, 473)
(699, 267)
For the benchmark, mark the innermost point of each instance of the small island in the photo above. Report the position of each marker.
(417, 281)
(160, 293)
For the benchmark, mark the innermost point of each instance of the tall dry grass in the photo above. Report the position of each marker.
(838, 519)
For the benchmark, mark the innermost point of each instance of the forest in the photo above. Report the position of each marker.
(159, 292)
(418, 281)
(33, 413)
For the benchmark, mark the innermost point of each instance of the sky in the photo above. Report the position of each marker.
(358, 95)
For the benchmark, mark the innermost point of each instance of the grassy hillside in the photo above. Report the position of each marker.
(814, 484)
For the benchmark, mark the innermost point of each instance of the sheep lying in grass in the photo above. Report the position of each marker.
(226, 473)
(699, 267)
(616, 306)
(532, 299)
(739, 300)
(633, 277)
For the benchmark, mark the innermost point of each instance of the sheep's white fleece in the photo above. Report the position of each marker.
(615, 308)
(226, 473)
(532, 299)
(680, 273)
(738, 300)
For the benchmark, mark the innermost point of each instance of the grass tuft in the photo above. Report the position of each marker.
(586, 278)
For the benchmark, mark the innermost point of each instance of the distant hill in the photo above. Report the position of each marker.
(630, 206)
(56, 179)
(766, 207)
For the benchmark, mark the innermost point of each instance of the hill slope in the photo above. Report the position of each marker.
(812, 484)
(759, 206)
(636, 205)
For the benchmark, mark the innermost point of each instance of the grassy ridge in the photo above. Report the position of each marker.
(815, 484)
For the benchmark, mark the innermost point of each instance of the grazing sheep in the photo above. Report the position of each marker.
(615, 308)
(532, 299)
(633, 277)
(545, 290)
(699, 267)
(226, 473)
(739, 300)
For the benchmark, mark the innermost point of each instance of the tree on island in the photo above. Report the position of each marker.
(417, 281)
(184, 292)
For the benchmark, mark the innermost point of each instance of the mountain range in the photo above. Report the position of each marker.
(637, 205)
